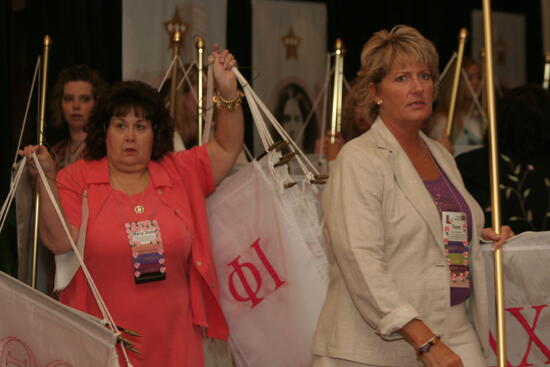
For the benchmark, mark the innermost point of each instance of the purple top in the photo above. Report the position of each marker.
(447, 198)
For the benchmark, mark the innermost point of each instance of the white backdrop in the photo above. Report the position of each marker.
(288, 48)
(145, 41)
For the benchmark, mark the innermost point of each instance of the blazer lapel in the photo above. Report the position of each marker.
(409, 181)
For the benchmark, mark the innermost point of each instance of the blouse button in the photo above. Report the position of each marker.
(159, 192)
(199, 263)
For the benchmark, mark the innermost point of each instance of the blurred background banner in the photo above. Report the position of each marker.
(509, 46)
(288, 59)
(146, 26)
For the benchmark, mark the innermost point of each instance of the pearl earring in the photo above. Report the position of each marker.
(379, 101)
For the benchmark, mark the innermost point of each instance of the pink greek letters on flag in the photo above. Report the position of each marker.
(253, 291)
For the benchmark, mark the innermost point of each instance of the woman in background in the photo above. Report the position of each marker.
(355, 121)
(186, 110)
(467, 127)
(524, 139)
(73, 100)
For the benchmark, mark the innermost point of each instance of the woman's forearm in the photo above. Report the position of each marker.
(416, 333)
(227, 143)
(50, 228)
(230, 131)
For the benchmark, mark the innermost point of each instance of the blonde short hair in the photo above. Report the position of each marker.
(384, 49)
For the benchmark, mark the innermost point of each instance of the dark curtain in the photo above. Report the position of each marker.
(239, 42)
(5, 116)
(82, 32)
(439, 21)
(8, 253)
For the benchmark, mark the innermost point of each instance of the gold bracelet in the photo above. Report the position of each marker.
(229, 105)
(425, 348)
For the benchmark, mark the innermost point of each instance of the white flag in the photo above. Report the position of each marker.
(36, 330)
(272, 274)
(527, 298)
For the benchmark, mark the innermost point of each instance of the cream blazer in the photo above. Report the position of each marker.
(387, 259)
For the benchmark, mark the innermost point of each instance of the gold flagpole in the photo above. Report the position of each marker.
(340, 88)
(200, 86)
(40, 133)
(546, 80)
(495, 197)
(176, 39)
(336, 117)
(462, 35)
(485, 123)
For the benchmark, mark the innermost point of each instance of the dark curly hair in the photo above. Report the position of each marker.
(118, 101)
(73, 74)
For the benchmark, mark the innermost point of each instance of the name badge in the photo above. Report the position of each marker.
(147, 252)
(455, 237)
(455, 227)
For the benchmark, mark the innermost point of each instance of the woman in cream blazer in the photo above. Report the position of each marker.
(388, 302)
(388, 263)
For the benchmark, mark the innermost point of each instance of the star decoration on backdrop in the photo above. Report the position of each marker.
(175, 24)
(291, 41)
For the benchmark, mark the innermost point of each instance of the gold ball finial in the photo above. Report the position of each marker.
(177, 36)
(47, 40)
(463, 34)
(339, 45)
(200, 42)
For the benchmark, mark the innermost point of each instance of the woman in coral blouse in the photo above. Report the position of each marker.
(147, 243)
